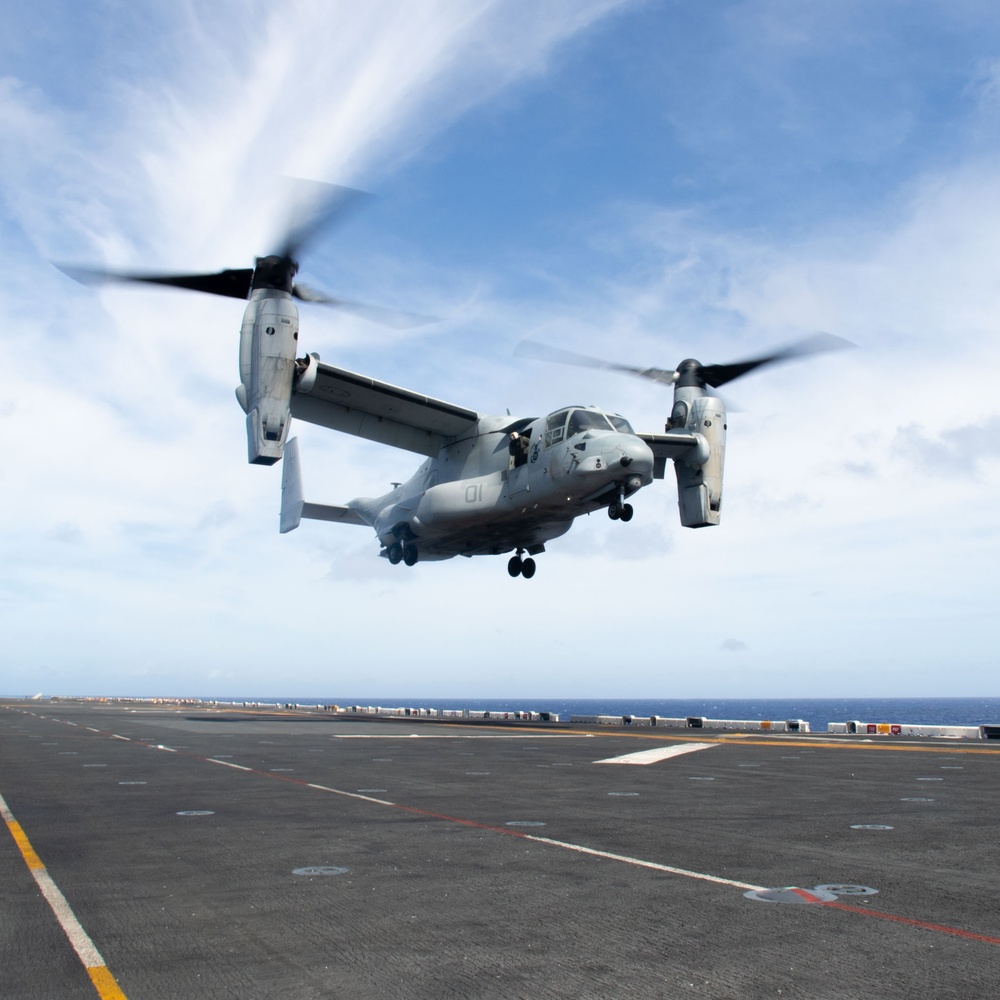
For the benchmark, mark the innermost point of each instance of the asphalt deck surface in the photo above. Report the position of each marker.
(466, 862)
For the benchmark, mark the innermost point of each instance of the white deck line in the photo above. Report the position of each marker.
(464, 736)
(656, 754)
(638, 862)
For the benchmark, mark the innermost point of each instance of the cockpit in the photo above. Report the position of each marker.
(576, 420)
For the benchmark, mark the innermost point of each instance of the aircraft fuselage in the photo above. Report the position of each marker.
(513, 486)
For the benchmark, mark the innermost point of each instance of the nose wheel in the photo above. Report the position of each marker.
(618, 510)
(521, 567)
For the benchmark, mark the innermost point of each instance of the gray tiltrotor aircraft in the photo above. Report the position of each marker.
(489, 484)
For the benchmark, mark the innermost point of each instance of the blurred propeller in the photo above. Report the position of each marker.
(234, 283)
(544, 352)
(316, 207)
(818, 343)
(697, 373)
(383, 315)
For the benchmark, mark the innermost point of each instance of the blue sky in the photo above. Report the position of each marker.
(644, 181)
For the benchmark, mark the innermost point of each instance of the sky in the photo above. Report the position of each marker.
(641, 181)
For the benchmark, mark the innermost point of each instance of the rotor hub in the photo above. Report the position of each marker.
(275, 271)
(689, 374)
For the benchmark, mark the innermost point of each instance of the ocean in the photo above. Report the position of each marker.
(816, 711)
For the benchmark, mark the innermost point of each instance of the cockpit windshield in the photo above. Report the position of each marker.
(566, 423)
(620, 424)
(587, 420)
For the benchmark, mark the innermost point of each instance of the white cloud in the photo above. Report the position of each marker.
(958, 451)
(733, 646)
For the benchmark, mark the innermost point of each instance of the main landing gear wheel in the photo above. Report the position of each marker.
(521, 567)
(620, 511)
(395, 553)
(410, 555)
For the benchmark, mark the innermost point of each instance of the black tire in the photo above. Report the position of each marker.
(627, 512)
(395, 553)
(410, 555)
(528, 568)
(613, 511)
(515, 566)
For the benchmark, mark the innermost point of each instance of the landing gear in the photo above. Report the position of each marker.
(620, 512)
(397, 553)
(521, 567)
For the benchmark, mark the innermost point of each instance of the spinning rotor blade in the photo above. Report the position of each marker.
(384, 316)
(543, 352)
(716, 375)
(713, 375)
(316, 207)
(232, 283)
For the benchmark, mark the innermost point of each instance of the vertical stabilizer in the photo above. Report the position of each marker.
(291, 488)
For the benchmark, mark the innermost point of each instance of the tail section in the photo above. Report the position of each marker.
(294, 508)
(292, 504)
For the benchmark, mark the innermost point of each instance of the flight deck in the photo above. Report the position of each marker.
(155, 852)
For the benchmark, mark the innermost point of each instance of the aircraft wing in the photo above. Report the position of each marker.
(673, 444)
(356, 404)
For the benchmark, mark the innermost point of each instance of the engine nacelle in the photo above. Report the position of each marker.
(268, 343)
(699, 474)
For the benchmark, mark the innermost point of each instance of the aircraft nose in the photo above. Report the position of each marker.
(635, 455)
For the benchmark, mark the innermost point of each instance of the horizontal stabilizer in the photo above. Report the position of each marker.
(331, 512)
(294, 508)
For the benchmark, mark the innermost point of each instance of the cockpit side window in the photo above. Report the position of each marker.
(587, 420)
(620, 424)
(555, 428)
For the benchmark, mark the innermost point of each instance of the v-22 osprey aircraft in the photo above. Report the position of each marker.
(489, 484)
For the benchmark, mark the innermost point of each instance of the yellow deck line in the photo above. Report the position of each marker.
(98, 971)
